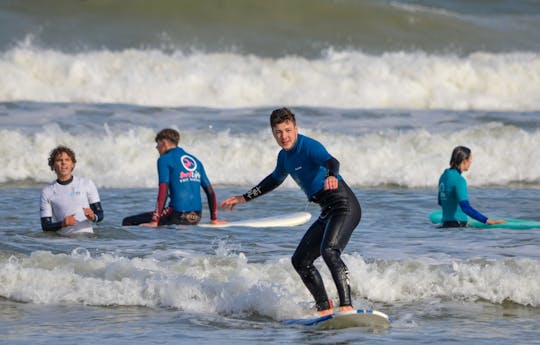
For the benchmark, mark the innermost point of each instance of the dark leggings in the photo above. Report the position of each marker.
(327, 237)
(170, 218)
(453, 224)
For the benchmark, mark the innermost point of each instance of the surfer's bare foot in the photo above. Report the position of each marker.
(345, 308)
(326, 311)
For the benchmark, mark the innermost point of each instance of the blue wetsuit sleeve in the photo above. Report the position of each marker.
(163, 169)
(471, 212)
(270, 182)
(265, 186)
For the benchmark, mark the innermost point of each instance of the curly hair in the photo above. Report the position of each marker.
(59, 150)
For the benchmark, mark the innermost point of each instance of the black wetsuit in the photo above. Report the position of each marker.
(328, 236)
(310, 164)
(168, 217)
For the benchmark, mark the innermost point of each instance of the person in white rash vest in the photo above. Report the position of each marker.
(70, 204)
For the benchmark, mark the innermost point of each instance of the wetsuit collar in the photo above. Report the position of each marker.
(172, 149)
(63, 183)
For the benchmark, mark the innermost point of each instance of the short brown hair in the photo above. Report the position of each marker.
(281, 115)
(59, 150)
(169, 134)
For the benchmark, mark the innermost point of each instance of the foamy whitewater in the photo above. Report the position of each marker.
(351, 79)
(116, 148)
(388, 87)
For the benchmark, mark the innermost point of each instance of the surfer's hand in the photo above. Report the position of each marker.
(229, 203)
(495, 221)
(89, 213)
(151, 224)
(218, 222)
(331, 182)
(69, 220)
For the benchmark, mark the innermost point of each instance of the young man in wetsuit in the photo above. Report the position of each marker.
(317, 173)
(181, 176)
(453, 196)
(70, 204)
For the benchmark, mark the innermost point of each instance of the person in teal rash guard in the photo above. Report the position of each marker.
(453, 196)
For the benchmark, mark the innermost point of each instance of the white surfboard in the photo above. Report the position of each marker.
(346, 319)
(289, 219)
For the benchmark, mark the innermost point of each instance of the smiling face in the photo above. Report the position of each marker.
(63, 166)
(285, 134)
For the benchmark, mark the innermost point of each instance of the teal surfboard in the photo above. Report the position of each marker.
(517, 224)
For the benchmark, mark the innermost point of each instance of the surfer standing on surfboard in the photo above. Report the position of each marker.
(453, 196)
(69, 204)
(317, 173)
(181, 175)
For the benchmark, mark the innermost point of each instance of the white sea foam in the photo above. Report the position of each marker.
(414, 158)
(342, 79)
(228, 283)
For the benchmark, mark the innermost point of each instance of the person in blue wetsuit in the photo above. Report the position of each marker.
(317, 173)
(453, 197)
(181, 176)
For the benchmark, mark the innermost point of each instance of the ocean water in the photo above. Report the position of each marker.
(389, 87)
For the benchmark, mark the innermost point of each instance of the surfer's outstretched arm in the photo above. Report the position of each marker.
(268, 184)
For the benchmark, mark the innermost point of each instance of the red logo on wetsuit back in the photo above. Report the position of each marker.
(186, 175)
(188, 163)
